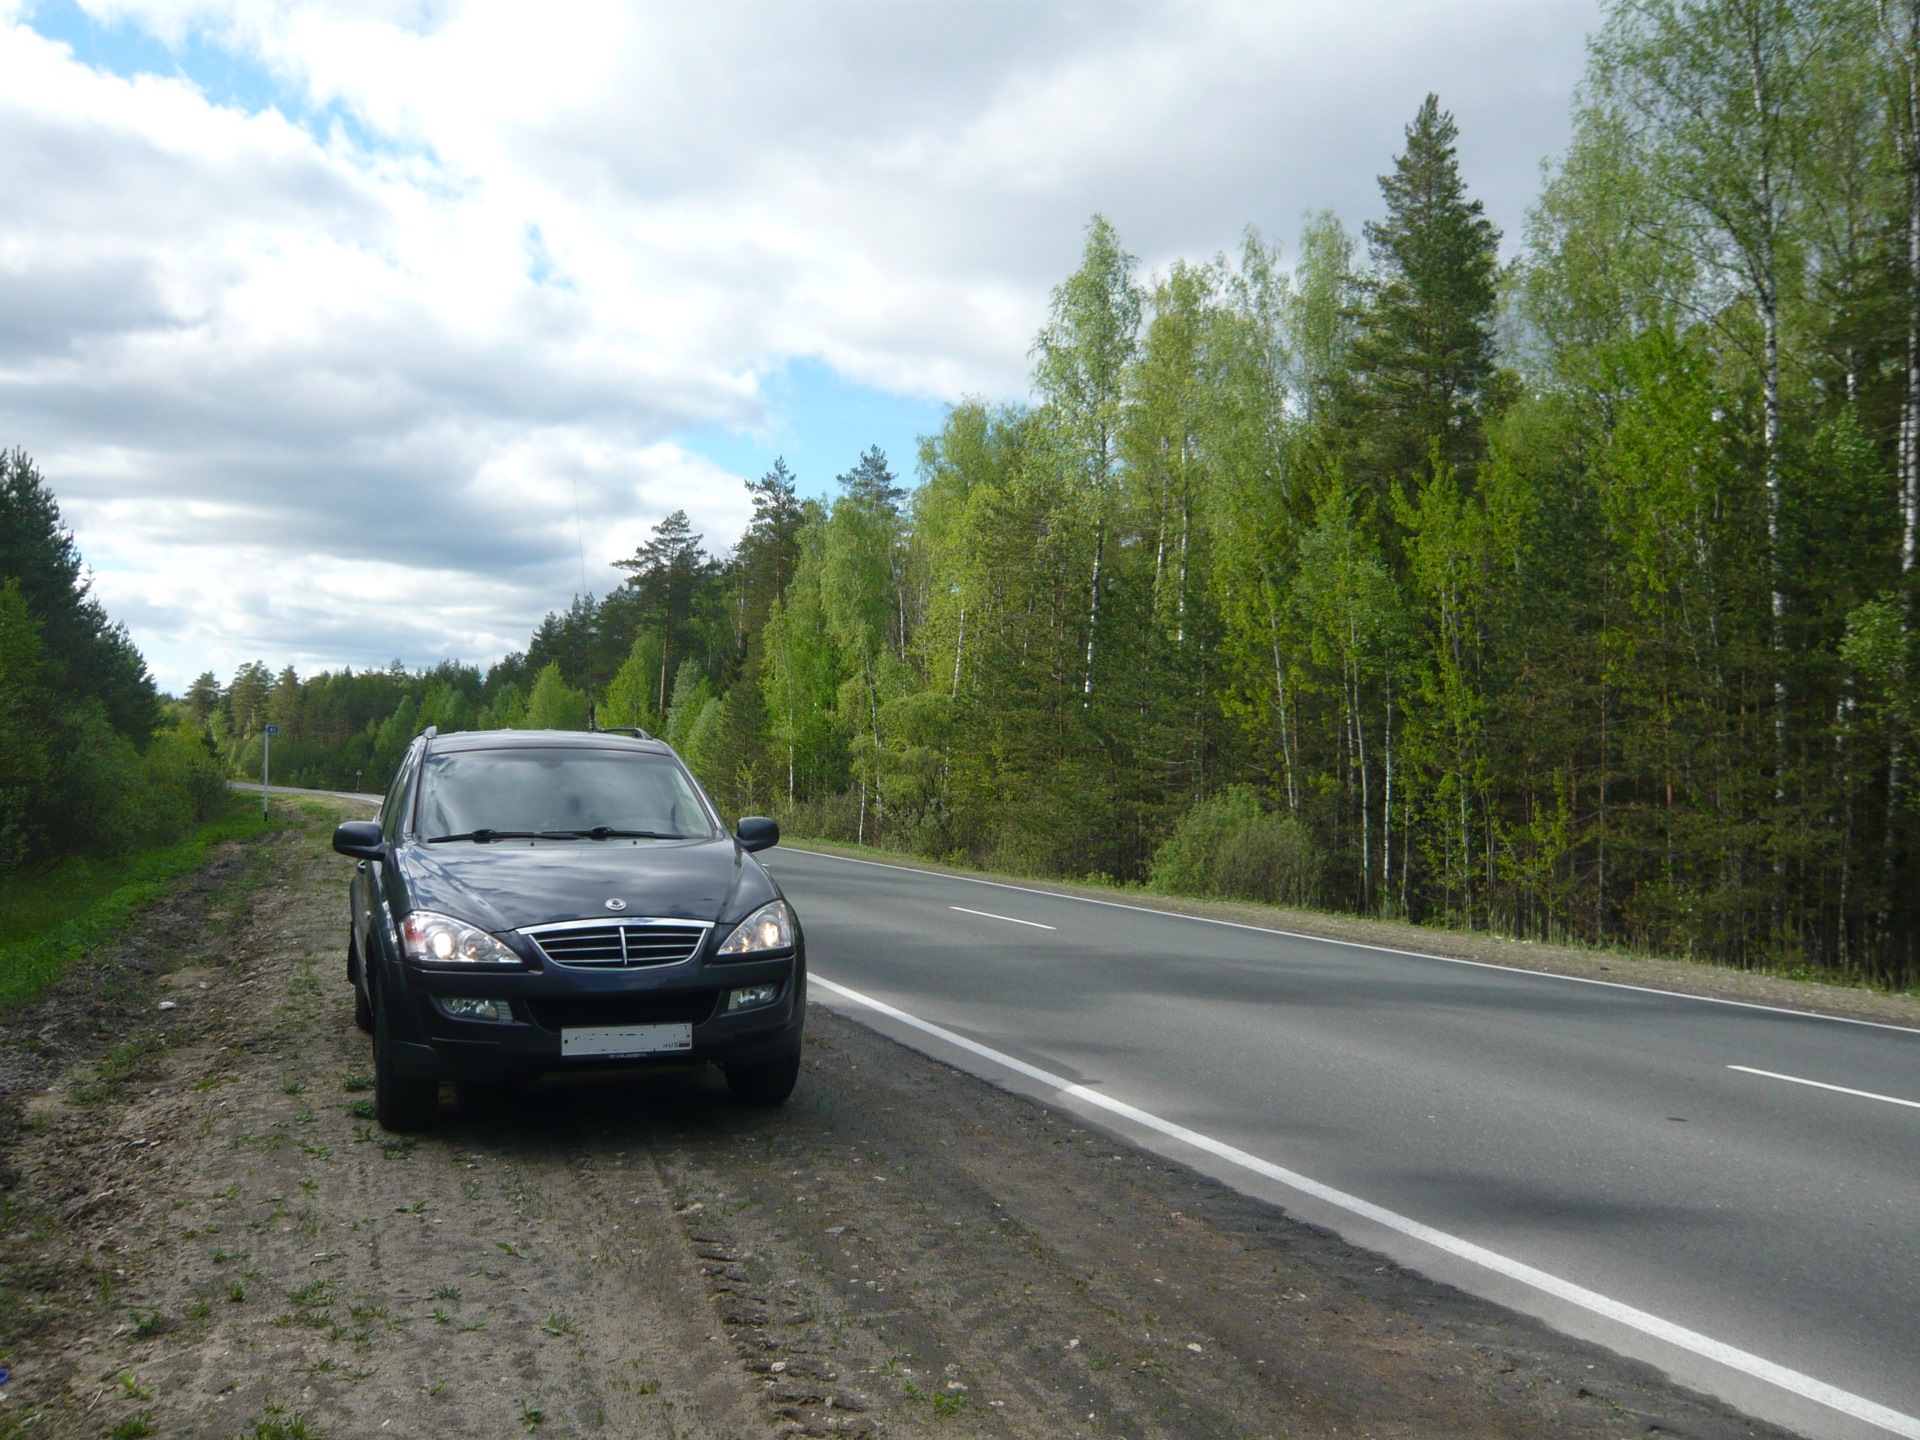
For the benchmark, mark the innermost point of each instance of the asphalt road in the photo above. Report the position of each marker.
(1598, 1135)
(254, 789)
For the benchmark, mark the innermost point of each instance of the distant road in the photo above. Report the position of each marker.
(1662, 1173)
(297, 790)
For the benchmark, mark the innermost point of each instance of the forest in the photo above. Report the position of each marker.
(1571, 596)
(92, 761)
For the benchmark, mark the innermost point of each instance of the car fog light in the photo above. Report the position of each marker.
(751, 995)
(468, 1007)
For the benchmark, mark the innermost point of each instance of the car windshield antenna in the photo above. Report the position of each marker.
(580, 541)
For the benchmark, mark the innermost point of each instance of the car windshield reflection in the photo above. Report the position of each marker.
(558, 794)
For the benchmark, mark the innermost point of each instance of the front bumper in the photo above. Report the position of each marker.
(542, 1002)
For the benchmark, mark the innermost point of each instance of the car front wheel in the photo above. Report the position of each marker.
(768, 1083)
(400, 1102)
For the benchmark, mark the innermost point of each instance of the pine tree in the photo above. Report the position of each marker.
(770, 548)
(666, 570)
(87, 655)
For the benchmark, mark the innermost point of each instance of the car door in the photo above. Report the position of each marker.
(371, 912)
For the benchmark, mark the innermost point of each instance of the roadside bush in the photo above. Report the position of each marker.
(186, 776)
(1227, 846)
(830, 817)
(95, 798)
(105, 797)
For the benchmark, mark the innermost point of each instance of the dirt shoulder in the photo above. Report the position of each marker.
(205, 1234)
(1621, 967)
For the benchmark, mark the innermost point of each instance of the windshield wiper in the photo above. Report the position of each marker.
(483, 835)
(607, 832)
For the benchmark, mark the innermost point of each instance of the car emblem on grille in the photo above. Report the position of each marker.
(616, 904)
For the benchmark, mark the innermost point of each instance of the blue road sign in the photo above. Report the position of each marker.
(273, 729)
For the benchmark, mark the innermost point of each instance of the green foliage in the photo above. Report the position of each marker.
(1227, 846)
(23, 749)
(630, 694)
(554, 704)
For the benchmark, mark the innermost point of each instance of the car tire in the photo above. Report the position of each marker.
(768, 1083)
(400, 1102)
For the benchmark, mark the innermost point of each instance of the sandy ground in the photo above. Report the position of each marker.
(202, 1232)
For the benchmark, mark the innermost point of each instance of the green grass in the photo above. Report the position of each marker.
(53, 916)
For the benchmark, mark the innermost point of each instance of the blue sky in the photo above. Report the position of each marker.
(317, 318)
(124, 47)
(224, 72)
(821, 424)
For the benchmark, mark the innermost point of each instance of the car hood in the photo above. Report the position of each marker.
(508, 885)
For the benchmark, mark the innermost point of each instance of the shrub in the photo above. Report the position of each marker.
(1227, 846)
(827, 817)
(185, 775)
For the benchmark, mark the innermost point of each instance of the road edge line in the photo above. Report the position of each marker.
(1754, 1366)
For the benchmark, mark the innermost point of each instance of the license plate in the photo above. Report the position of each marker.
(621, 1041)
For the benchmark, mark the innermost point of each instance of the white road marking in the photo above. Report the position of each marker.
(1011, 920)
(1362, 945)
(1792, 1381)
(1823, 1085)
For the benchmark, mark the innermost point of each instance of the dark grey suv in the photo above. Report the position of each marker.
(532, 901)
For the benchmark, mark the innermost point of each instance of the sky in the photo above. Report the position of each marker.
(363, 331)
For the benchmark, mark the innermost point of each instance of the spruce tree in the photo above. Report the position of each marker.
(1425, 353)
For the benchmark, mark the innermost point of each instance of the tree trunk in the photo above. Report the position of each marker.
(1093, 604)
(1366, 804)
(1186, 526)
(1909, 412)
(792, 744)
(1767, 297)
(959, 646)
(1909, 47)
(1386, 808)
(873, 711)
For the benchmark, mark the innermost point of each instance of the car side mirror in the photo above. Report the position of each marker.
(756, 832)
(362, 839)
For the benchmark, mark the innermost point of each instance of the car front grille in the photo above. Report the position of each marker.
(667, 1007)
(618, 944)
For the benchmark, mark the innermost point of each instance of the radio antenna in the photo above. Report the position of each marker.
(580, 541)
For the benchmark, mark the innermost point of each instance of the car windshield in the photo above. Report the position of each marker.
(475, 793)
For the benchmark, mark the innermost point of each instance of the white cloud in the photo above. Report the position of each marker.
(505, 251)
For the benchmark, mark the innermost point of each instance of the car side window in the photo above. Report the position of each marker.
(394, 806)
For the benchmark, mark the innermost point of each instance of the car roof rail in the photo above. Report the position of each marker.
(431, 731)
(634, 730)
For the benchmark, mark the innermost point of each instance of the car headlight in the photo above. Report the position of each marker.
(768, 928)
(436, 939)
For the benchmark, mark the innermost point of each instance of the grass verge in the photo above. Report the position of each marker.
(55, 915)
